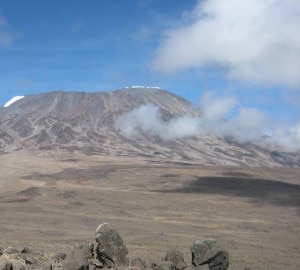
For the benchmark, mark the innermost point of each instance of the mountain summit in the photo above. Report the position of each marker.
(71, 122)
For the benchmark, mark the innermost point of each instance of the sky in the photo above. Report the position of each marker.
(242, 50)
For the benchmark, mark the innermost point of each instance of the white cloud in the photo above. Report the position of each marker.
(216, 108)
(143, 119)
(147, 119)
(287, 137)
(6, 35)
(248, 125)
(254, 40)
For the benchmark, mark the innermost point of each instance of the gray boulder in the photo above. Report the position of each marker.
(90, 251)
(220, 261)
(110, 249)
(176, 257)
(77, 259)
(207, 253)
(138, 263)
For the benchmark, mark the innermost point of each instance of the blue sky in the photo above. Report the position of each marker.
(181, 46)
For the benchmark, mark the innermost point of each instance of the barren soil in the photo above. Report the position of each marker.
(52, 203)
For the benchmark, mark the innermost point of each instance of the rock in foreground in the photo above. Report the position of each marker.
(109, 252)
(208, 255)
(109, 248)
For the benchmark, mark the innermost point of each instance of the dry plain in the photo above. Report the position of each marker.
(53, 202)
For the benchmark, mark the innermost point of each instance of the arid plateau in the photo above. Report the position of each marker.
(52, 203)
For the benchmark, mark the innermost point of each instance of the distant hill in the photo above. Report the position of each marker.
(82, 122)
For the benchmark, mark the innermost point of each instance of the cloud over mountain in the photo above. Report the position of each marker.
(254, 40)
(287, 136)
(148, 119)
(248, 125)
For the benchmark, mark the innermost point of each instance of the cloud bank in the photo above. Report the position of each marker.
(248, 125)
(254, 40)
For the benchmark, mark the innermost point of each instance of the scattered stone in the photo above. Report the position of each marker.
(56, 266)
(14, 256)
(110, 249)
(29, 260)
(204, 250)
(220, 261)
(10, 250)
(90, 251)
(77, 259)
(138, 264)
(208, 252)
(109, 252)
(27, 250)
(96, 263)
(177, 258)
(60, 256)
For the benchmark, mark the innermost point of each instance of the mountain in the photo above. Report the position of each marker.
(82, 122)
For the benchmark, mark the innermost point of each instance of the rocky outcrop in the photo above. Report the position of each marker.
(23, 259)
(176, 258)
(138, 264)
(109, 252)
(13, 261)
(109, 248)
(208, 255)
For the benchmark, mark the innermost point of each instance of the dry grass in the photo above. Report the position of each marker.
(53, 203)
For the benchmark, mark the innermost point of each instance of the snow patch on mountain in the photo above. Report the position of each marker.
(13, 100)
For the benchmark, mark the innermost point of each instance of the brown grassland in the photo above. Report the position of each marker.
(51, 203)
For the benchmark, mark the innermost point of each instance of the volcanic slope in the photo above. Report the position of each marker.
(82, 122)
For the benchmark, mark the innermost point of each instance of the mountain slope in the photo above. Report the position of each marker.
(70, 122)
